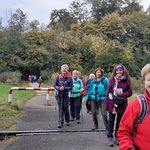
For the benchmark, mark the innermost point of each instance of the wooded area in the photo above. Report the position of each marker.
(87, 35)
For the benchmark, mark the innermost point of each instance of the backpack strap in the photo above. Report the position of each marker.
(144, 110)
(77, 82)
(100, 81)
(143, 107)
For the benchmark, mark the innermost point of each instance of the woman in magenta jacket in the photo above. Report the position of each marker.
(127, 125)
(116, 100)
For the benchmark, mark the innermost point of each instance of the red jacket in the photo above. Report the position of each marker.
(83, 93)
(68, 74)
(126, 128)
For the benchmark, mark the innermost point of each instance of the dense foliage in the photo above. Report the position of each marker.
(89, 34)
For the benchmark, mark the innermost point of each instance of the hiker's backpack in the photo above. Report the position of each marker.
(77, 85)
(98, 91)
(144, 109)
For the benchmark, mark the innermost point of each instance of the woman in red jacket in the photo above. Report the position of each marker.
(127, 125)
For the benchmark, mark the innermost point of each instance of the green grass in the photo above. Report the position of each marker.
(47, 84)
(10, 114)
(17, 95)
(4, 92)
(8, 117)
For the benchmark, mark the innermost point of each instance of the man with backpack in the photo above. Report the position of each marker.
(134, 132)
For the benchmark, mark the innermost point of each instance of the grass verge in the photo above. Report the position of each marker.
(10, 114)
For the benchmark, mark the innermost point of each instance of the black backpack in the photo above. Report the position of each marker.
(144, 109)
(143, 113)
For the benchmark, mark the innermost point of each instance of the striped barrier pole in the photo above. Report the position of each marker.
(47, 99)
(10, 98)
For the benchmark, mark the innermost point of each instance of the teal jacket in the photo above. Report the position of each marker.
(98, 89)
(77, 87)
(88, 83)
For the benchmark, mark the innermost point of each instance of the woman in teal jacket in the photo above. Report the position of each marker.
(75, 97)
(97, 95)
(86, 98)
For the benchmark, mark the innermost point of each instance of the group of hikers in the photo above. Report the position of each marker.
(33, 78)
(110, 96)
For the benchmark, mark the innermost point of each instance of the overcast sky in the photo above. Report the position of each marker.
(38, 9)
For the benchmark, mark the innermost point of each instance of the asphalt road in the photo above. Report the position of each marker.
(39, 117)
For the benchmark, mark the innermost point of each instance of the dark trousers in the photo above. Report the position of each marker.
(95, 111)
(75, 107)
(88, 105)
(63, 106)
(111, 122)
(81, 97)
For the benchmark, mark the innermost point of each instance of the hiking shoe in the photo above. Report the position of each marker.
(90, 113)
(60, 125)
(95, 127)
(72, 119)
(116, 141)
(110, 141)
(67, 124)
(78, 121)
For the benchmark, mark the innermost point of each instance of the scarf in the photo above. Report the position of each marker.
(117, 79)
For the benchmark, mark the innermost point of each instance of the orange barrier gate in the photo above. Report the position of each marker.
(10, 98)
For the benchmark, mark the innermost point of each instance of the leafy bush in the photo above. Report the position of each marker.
(45, 75)
(53, 76)
(137, 85)
(10, 77)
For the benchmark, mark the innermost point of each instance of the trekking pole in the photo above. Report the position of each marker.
(56, 106)
(81, 110)
(61, 112)
(82, 113)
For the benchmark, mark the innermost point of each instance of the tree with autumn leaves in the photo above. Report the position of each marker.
(89, 34)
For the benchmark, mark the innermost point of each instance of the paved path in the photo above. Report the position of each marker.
(40, 117)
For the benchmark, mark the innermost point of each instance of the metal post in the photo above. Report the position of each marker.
(47, 99)
(10, 97)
